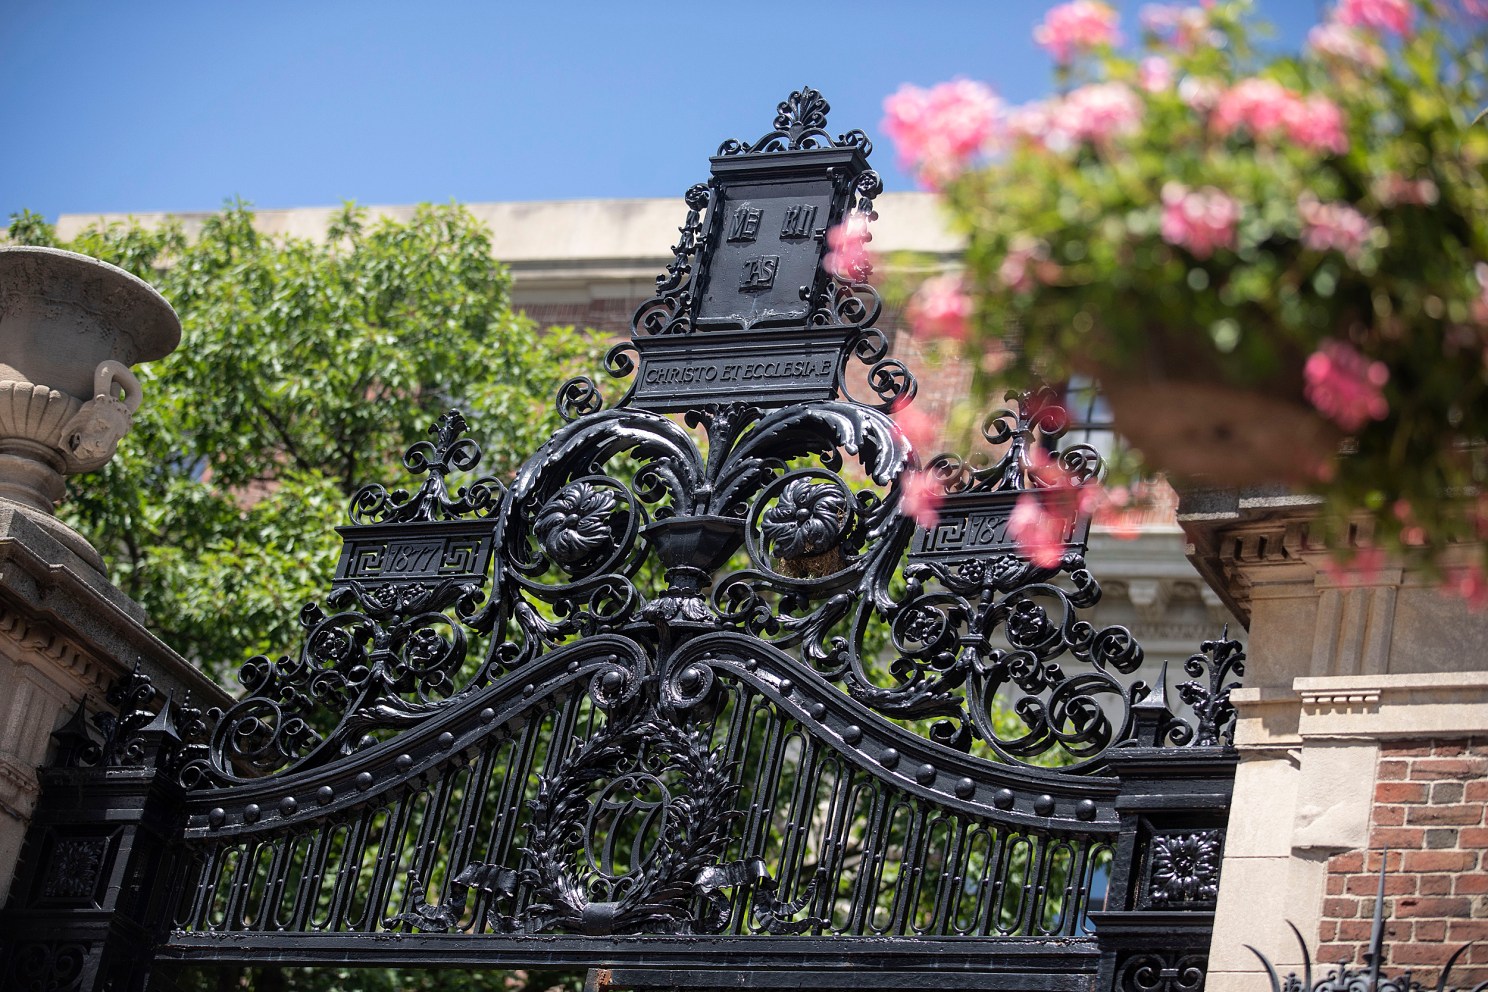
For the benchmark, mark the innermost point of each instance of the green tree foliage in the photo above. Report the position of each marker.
(305, 369)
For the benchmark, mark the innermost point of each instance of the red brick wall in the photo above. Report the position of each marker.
(1430, 799)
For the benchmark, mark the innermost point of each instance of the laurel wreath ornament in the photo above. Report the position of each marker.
(661, 894)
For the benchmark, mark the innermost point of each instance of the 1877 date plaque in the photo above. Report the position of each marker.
(432, 551)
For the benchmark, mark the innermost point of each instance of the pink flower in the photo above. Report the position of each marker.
(1475, 8)
(1026, 264)
(1100, 111)
(1396, 190)
(1039, 532)
(938, 130)
(1317, 125)
(921, 499)
(1077, 26)
(1394, 16)
(1343, 44)
(1471, 583)
(847, 244)
(1360, 566)
(1268, 110)
(1201, 95)
(1035, 123)
(1333, 227)
(920, 429)
(941, 308)
(1262, 105)
(1184, 28)
(1345, 386)
(1155, 74)
(1199, 220)
(1480, 304)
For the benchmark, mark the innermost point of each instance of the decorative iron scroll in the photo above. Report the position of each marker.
(751, 537)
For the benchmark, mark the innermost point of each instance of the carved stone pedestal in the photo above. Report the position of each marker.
(66, 634)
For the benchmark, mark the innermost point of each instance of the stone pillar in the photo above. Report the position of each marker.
(1363, 725)
(70, 327)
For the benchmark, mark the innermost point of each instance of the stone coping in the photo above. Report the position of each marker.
(58, 604)
(1363, 707)
(617, 235)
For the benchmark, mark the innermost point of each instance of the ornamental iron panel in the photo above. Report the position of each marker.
(688, 700)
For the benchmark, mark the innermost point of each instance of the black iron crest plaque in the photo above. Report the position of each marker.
(749, 310)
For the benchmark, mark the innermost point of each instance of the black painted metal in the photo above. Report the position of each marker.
(683, 699)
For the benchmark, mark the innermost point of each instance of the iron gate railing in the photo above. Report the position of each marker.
(694, 702)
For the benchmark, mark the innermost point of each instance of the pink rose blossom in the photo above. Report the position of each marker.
(1100, 112)
(1026, 264)
(1343, 44)
(1480, 304)
(1361, 566)
(1039, 533)
(1394, 16)
(847, 245)
(1471, 583)
(1037, 124)
(1396, 190)
(1155, 74)
(1268, 110)
(1077, 26)
(921, 499)
(941, 308)
(1201, 95)
(1199, 220)
(1184, 28)
(1317, 124)
(1333, 227)
(1262, 105)
(1345, 386)
(938, 130)
(920, 429)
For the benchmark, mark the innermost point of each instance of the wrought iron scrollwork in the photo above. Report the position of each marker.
(773, 517)
(1163, 973)
(626, 835)
(979, 625)
(447, 451)
(135, 733)
(1208, 693)
(670, 310)
(389, 648)
(800, 122)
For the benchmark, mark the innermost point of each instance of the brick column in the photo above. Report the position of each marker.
(1430, 802)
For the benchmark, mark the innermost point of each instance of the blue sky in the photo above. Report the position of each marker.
(144, 106)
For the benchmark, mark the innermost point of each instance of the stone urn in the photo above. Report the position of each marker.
(70, 328)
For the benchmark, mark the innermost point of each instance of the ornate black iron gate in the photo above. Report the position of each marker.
(693, 702)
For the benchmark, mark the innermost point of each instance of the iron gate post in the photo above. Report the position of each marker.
(1174, 806)
(98, 872)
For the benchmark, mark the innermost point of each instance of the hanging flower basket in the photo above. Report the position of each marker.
(1174, 405)
(1276, 265)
